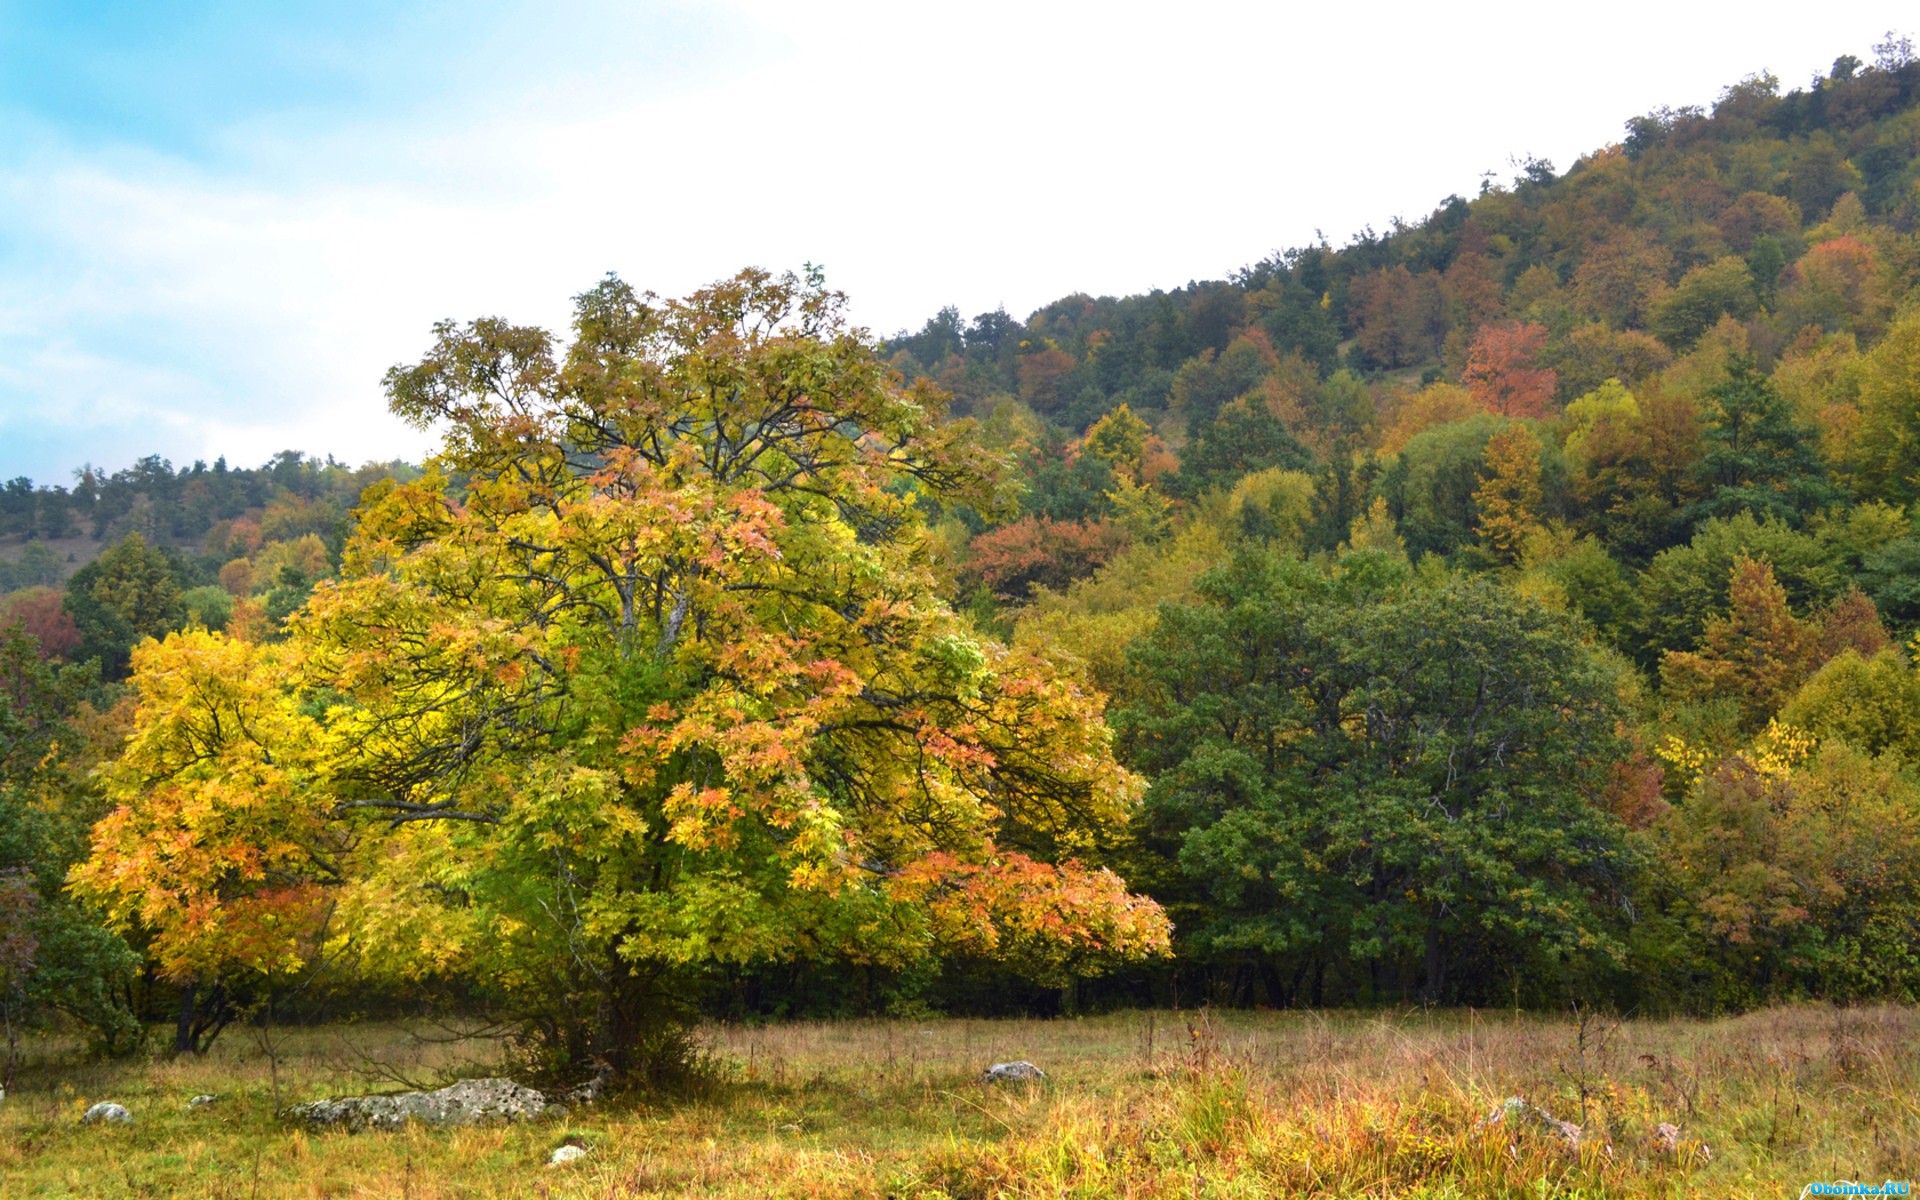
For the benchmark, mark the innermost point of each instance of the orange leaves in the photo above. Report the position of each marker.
(832, 679)
(1052, 920)
(1039, 552)
(762, 760)
(1501, 374)
(1837, 284)
(1756, 654)
(957, 748)
(702, 818)
(755, 521)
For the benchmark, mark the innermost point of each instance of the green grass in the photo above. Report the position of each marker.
(1137, 1105)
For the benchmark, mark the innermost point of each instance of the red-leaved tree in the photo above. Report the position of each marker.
(1501, 373)
(1040, 552)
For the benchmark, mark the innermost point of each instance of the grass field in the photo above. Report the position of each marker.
(1137, 1105)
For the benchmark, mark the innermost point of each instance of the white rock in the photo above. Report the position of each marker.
(590, 1091)
(201, 1101)
(1013, 1072)
(566, 1154)
(469, 1102)
(112, 1114)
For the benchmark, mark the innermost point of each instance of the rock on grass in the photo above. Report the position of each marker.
(469, 1102)
(1013, 1072)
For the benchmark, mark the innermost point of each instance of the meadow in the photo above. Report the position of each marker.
(1140, 1104)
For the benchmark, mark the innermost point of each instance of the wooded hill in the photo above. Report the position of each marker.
(1672, 393)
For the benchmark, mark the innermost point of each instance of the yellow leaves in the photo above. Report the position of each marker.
(1120, 439)
(1508, 499)
(813, 876)
(1774, 756)
(1141, 511)
(1684, 760)
(1375, 530)
(1780, 748)
(394, 517)
(403, 912)
(210, 840)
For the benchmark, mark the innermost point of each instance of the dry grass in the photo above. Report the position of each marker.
(1137, 1105)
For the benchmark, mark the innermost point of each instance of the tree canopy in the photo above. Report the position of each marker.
(1388, 779)
(663, 682)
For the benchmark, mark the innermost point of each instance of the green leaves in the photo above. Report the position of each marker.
(1759, 457)
(125, 595)
(1402, 776)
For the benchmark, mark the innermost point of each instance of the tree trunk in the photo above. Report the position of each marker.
(183, 1039)
(1435, 965)
(13, 1049)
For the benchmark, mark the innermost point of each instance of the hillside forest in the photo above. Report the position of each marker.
(1518, 606)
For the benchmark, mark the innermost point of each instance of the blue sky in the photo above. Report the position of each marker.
(221, 222)
(189, 79)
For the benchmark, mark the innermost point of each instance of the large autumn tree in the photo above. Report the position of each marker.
(663, 682)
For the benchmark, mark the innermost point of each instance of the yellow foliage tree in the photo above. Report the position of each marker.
(1508, 499)
(1757, 654)
(1120, 440)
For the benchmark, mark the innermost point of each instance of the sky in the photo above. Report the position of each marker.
(222, 222)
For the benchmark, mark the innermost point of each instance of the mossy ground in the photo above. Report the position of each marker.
(1136, 1105)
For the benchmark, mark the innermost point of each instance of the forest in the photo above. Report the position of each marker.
(1517, 608)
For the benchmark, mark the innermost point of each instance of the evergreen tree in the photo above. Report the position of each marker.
(1759, 456)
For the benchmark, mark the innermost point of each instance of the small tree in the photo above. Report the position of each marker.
(1502, 370)
(216, 850)
(1509, 495)
(1759, 457)
(1756, 655)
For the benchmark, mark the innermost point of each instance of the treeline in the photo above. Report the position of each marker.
(1623, 263)
(196, 545)
(164, 503)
